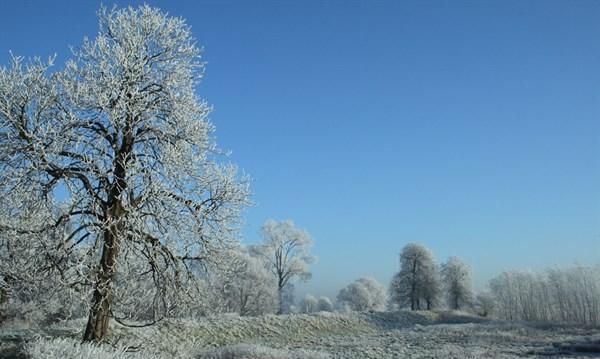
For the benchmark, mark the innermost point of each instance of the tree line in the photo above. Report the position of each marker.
(557, 295)
(570, 295)
(421, 284)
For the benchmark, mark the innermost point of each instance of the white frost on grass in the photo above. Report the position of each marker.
(366, 335)
(249, 351)
(67, 348)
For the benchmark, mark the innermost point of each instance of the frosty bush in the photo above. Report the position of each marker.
(34, 291)
(325, 304)
(309, 304)
(484, 304)
(43, 302)
(362, 294)
(41, 313)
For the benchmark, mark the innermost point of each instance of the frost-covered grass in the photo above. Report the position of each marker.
(67, 348)
(365, 335)
(249, 351)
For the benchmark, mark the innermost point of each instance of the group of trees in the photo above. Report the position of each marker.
(555, 295)
(233, 279)
(237, 282)
(421, 283)
(364, 294)
(562, 295)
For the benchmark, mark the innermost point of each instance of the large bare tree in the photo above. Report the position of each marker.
(110, 163)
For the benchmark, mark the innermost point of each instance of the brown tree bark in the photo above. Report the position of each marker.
(98, 320)
(280, 298)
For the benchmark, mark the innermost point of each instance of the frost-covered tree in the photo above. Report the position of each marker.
(325, 304)
(309, 304)
(520, 295)
(115, 154)
(363, 294)
(432, 291)
(416, 285)
(286, 251)
(254, 289)
(456, 280)
(287, 299)
(560, 295)
(36, 292)
(241, 284)
(484, 304)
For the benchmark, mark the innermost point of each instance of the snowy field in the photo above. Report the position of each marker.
(325, 335)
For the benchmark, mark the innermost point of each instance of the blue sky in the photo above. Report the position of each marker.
(470, 127)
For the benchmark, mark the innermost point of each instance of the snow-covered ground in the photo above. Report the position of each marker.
(333, 335)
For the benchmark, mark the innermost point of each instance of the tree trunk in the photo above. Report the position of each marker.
(414, 301)
(98, 320)
(97, 325)
(280, 292)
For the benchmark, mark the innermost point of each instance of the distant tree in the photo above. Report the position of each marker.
(416, 285)
(240, 283)
(309, 304)
(519, 295)
(116, 150)
(398, 293)
(456, 278)
(286, 251)
(253, 289)
(431, 291)
(286, 300)
(484, 304)
(325, 304)
(363, 294)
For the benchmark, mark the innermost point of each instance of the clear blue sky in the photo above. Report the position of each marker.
(471, 127)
